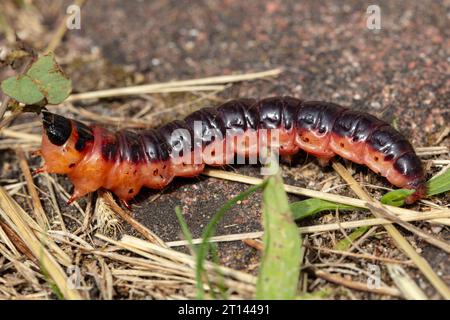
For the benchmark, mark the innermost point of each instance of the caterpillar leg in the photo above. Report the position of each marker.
(287, 158)
(36, 153)
(323, 161)
(39, 170)
(75, 195)
(126, 204)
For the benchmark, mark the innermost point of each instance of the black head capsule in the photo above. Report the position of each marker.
(57, 128)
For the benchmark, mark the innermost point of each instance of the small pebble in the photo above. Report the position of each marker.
(436, 229)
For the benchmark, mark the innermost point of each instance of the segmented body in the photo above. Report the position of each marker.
(124, 161)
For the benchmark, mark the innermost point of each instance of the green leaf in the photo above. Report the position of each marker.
(345, 243)
(50, 79)
(396, 198)
(439, 184)
(280, 263)
(309, 207)
(44, 79)
(23, 89)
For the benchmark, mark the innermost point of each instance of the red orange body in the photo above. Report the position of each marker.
(125, 161)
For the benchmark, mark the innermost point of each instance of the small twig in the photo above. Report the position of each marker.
(359, 255)
(137, 90)
(39, 212)
(357, 285)
(14, 242)
(55, 202)
(258, 245)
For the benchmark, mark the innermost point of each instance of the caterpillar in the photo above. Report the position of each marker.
(125, 161)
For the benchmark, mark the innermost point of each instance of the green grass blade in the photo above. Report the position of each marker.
(280, 263)
(435, 185)
(346, 243)
(396, 198)
(439, 184)
(188, 236)
(55, 289)
(184, 227)
(221, 285)
(208, 232)
(309, 207)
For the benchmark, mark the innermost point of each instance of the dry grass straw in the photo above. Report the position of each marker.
(360, 286)
(404, 283)
(26, 137)
(13, 241)
(360, 255)
(133, 243)
(11, 208)
(202, 84)
(39, 213)
(324, 195)
(167, 265)
(382, 211)
(39, 244)
(320, 228)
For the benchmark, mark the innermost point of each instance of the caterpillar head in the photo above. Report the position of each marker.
(64, 143)
(420, 187)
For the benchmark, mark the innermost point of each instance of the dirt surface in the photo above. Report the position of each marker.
(399, 73)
